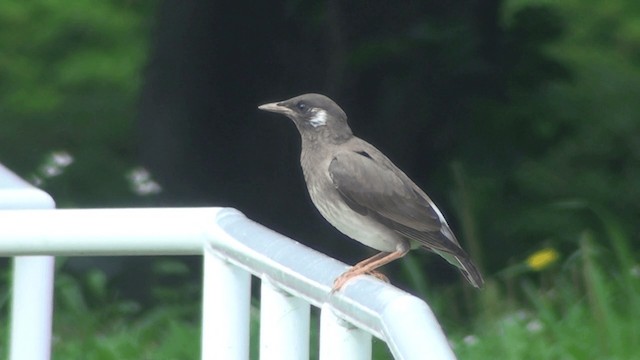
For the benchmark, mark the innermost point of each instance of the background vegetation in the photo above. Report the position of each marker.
(519, 117)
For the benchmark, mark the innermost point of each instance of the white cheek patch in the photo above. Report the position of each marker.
(319, 118)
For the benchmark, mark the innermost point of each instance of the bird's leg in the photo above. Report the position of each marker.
(367, 266)
(374, 273)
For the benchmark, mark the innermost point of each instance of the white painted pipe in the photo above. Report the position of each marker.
(32, 280)
(340, 340)
(226, 306)
(284, 324)
(31, 308)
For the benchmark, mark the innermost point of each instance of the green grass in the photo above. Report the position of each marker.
(584, 306)
(164, 333)
(114, 329)
(161, 334)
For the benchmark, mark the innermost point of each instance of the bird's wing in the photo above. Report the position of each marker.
(372, 186)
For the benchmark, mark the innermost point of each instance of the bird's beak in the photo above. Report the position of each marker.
(276, 108)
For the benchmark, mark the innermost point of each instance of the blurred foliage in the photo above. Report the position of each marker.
(574, 138)
(69, 78)
(532, 101)
(530, 106)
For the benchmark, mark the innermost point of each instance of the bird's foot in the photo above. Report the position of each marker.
(339, 282)
(353, 272)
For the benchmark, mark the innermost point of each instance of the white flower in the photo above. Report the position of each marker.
(534, 326)
(470, 340)
(141, 182)
(61, 158)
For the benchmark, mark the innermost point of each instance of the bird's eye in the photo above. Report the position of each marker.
(302, 106)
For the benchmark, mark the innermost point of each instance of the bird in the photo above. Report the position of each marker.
(359, 191)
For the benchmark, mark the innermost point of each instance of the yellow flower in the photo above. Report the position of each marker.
(542, 259)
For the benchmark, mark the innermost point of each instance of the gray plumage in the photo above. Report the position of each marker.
(362, 193)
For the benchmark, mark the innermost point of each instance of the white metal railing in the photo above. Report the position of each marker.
(293, 276)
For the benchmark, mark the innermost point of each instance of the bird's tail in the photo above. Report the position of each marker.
(469, 271)
(466, 267)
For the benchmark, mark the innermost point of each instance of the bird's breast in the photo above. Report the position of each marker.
(335, 210)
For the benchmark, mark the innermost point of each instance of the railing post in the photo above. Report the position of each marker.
(341, 340)
(32, 280)
(284, 324)
(226, 305)
(31, 308)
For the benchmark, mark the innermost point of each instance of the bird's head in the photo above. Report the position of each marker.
(315, 116)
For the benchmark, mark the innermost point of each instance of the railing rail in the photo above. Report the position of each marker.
(234, 248)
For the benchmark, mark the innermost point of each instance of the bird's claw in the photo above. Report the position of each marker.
(378, 275)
